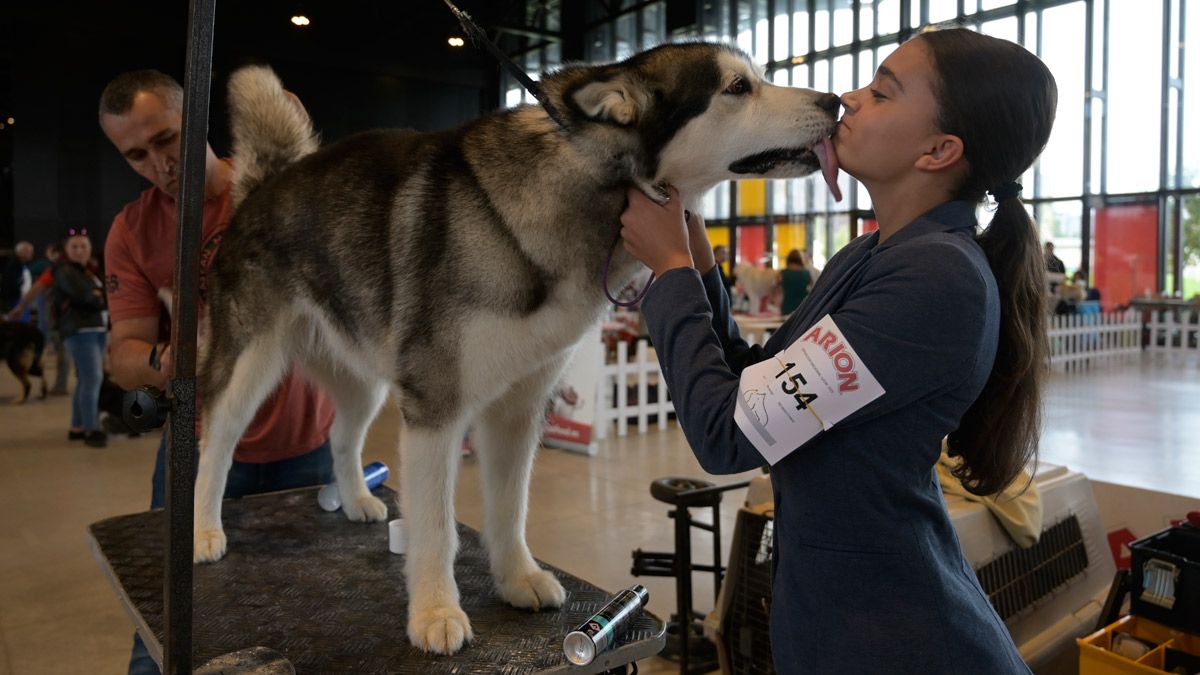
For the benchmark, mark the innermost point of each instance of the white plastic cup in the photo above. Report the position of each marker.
(397, 537)
(330, 498)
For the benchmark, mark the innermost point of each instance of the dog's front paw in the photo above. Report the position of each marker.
(439, 629)
(209, 545)
(367, 508)
(536, 590)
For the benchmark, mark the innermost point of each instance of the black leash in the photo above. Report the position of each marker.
(478, 36)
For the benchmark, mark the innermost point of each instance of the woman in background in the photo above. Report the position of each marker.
(78, 297)
(795, 279)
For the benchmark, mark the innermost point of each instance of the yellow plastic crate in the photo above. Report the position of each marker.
(1096, 657)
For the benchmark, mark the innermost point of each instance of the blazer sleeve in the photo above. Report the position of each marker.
(738, 353)
(916, 321)
(693, 347)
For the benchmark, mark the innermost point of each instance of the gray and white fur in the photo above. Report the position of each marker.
(456, 270)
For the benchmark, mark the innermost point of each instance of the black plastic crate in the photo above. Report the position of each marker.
(1166, 578)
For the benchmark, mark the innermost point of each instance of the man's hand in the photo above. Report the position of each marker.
(166, 361)
(656, 234)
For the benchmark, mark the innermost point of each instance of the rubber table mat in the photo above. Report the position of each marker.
(328, 595)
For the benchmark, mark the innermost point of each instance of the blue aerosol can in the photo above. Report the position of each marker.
(600, 632)
(374, 473)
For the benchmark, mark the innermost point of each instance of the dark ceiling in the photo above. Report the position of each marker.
(403, 37)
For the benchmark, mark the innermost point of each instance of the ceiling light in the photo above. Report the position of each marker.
(456, 41)
(300, 20)
(11, 121)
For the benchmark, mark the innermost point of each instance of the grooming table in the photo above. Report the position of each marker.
(328, 595)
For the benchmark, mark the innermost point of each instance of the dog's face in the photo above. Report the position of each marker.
(694, 115)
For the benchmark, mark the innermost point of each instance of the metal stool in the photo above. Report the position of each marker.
(685, 631)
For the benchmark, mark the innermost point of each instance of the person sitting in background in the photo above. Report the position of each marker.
(1056, 269)
(1069, 294)
(78, 298)
(721, 254)
(1054, 264)
(1080, 279)
(795, 280)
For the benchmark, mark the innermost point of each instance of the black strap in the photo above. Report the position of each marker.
(477, 35)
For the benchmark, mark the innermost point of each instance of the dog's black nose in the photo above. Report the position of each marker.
(829, 102)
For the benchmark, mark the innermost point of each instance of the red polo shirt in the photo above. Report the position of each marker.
(139, 257)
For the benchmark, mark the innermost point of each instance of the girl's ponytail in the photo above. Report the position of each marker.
(999, 434)
(1000, 100)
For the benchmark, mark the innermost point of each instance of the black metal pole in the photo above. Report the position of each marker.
(181, 448)
(683, 583)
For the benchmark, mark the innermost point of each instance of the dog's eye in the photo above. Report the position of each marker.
(739, 86)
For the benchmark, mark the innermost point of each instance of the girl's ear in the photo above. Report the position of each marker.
(945, 152)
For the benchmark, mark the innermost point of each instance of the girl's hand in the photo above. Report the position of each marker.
(655, 234)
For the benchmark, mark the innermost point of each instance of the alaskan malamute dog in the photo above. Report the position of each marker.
(456, 270)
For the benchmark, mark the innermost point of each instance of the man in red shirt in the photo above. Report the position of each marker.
(287, 444)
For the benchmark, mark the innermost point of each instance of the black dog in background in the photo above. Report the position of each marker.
(21, 346)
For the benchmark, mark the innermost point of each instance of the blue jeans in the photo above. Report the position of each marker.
(43, 313)
(312, 468)
(87, 351)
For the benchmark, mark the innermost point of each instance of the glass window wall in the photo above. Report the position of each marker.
(1134, 99)
(1190, 175)
(1125, 115)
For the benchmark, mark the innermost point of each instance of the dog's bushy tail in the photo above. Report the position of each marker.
(269, 125)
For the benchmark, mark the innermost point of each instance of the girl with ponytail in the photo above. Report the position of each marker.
(926, 329)
(999, 433)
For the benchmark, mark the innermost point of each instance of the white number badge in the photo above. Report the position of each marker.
(812, 385)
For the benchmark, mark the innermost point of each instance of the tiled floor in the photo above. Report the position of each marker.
(1133, 424)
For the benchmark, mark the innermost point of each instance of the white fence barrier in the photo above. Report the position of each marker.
(1173, 332)
(632, 391)
(1078, 340)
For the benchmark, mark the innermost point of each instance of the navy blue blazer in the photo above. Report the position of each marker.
(869, 575)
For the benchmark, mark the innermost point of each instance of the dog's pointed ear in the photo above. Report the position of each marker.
(618, 99)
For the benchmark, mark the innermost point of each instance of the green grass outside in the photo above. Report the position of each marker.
(1191, 285)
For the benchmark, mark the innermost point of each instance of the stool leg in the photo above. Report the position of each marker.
(718, 570)
(683, 582)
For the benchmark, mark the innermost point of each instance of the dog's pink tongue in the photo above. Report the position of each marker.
(827, 156)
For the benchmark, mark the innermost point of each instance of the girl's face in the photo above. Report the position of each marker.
(79, 249)
(889, 124)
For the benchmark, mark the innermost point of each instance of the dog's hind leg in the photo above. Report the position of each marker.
(357, 402)
(507, 438)
(19, 364)
(36, 368)
(431, 456)
(237, 382)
